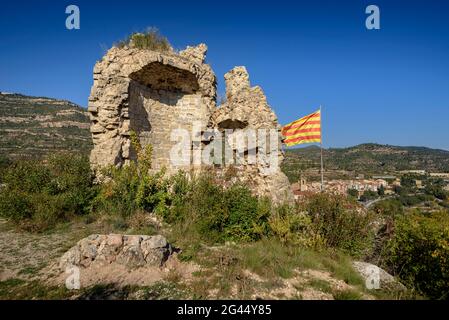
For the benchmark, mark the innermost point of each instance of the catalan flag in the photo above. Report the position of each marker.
(304, 130)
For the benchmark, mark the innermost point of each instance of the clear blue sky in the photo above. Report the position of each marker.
(387, 86)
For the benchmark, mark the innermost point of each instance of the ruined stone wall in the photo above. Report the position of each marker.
(247, 109)
(150, 93)
(154, 114)
(154, 93)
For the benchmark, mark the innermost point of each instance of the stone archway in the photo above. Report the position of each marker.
(162, 98)
(153, 93)
(150, 93)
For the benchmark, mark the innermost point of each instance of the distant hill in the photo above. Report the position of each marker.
(369, 158)
(35, 126)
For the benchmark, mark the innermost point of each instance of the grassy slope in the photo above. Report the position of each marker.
(263, 269)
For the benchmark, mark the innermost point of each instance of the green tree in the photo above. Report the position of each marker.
(419, 252)
(368, 195)
(353, 193)
(381, 191)
(407, 181)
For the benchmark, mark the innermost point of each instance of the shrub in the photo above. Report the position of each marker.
(339, 222)
(437, 191)
(37, 195)
(248, 217)
(129, 188)
(118, 193)
(218, 213)
(291, 226)
(150, 39)
(369, 195)
(419, 252)
(353, 193)
(389, 208)
(153, 193)
(5, 162)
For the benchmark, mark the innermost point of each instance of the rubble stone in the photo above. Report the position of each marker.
(129, 250)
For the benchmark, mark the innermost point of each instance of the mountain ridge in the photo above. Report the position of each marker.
(366, 158)
(34, 126)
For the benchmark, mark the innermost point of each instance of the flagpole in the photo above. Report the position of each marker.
(321, 147)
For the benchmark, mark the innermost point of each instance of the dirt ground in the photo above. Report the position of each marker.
(35, 257)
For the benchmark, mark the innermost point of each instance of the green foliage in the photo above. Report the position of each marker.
(337, 220)
(347, 294)
(437, 191)
(130, 188)
(153, 194)
(217, 213)
(408, 181)
(118, 193)
(144, 154)
(389, 207)
(150, 39)
(419, 252)
(413, 200)
(370, 159)
(400, 190)
(291, 226)
(381, 191)
(5, 162)
(369, 195)
(212, 211)
(353, 193)
(37, 195)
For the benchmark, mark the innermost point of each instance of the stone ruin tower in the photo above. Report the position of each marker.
(152, 93)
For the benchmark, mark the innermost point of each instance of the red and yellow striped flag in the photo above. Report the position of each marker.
(304, 130)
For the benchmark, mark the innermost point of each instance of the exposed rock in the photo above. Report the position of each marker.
(377, 278)
(154, 93)
(247, 108)
(236, 80)
(129, 250)
(197, 54)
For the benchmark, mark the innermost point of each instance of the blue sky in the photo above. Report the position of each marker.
(387, 86)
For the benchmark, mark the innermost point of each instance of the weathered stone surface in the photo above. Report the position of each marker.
(247, 108)
(150, 93)
(129, 250)
(236, 80)
(197, 54)
(153, 93)
(372, 273)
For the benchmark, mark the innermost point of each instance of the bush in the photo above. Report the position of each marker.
(217, 213)
(291, 226)
(5, 162)
(413, 200)
(150, 39)
(381, 190)
(389, 208)
(419, 252)
(118, 193)
(339, 222)
(214, 212)
(437, 191)
(37, 195)
(130, 188)
(369, 195)
(353, 193)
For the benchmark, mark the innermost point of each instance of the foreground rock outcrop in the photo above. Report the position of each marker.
(131, 251)
(377, 278)
(154, 94)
